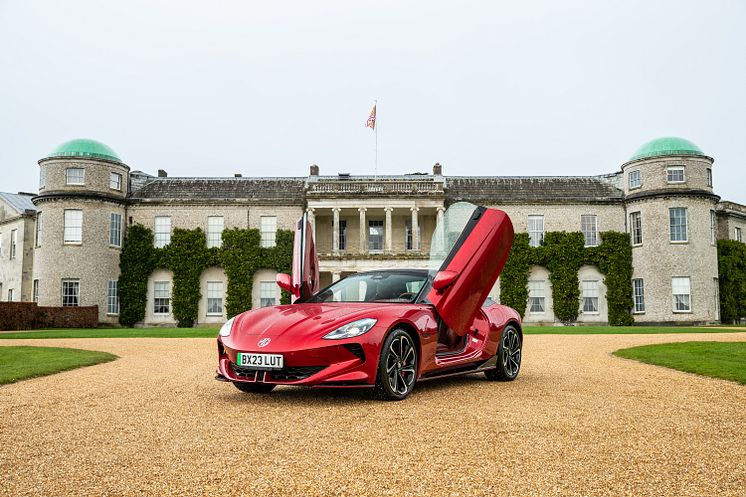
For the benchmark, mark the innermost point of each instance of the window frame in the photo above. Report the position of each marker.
(119, 177)
(532, 287)
(117, 234)
(37, 229)
(595, 235)
(689, 294)
(269, 287)
(672, 227)
(713, 227)
(160, 305)
(13, 243)
(531, 232)
(72, 229)
(635, 228)
(638, 176)
(70, 283)
(590, 298)
(112, 299)
(738, 234)
(219, 300)
(68, 176)
(638, 299)
(214, 238)
(268, 237)
(161, 238)
(408, 240)
(382, 235)
(342, 234)
(709, 177)
(35, 290)
(675, 169)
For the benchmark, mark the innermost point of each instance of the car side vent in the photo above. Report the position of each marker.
(356, 349)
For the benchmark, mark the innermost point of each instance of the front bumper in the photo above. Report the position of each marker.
(336, 365)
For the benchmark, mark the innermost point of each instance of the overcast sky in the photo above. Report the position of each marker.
(267, 88)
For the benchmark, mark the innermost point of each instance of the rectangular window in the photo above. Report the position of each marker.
(635, 226)
(161, 297)
(268, 225)
(716, 298)
(10, 295)
(70, 293)
(35, 291)
(267, 293)
(42, 178)
(590, 297)
(681, 294)
(112, 299)
(215, 297)
(115, 230)
(536, 230)
(635, 179)
(638, 293)
(342, 234)
(737, 236)
(1, 248)
(75, 176)
(73, 229)
(709, 177)
(713, 227)
(215, 231)
(409, 243)
(536, 296)
(675, 174)
(375, 236)
(115, 181)
(678, 224)
(589, 227)
(37, 234)
(162, 231)
(13, 243)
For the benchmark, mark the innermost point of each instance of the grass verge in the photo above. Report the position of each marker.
(22, 362)
(724, 360)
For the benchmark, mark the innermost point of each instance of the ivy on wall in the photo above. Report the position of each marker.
(563, 254)
(732, 279)
(187, 256)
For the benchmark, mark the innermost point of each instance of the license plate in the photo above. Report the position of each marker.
(260, 361)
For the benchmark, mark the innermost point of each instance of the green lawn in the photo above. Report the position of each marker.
(620, 330)
(116, 333)
(20, 363)
(213, 332)
(722, 360)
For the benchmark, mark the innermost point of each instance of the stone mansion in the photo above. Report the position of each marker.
(61, 246)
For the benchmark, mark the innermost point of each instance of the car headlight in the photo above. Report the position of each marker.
(225, 330)
(353, 329)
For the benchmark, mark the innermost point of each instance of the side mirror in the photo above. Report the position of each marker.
(443, 279)
(285, 281)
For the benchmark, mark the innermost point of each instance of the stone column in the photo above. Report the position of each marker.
(312, 220)
(336, 276)
(415, 229)
(388, 229)
(335, 230)
(363, 227)
(441, 210)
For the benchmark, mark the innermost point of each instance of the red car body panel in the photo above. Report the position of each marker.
(297, 330)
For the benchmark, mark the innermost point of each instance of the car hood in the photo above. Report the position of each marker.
(305, 319)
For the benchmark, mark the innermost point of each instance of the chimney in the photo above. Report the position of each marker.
(314, 170)
(437, 169)
(237, 175)
(162, 173)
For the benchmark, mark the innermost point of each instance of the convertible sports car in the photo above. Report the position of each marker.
(385, 329)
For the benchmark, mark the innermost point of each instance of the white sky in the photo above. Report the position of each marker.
(267, 88)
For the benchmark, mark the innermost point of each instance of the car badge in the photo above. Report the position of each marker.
(264, 342)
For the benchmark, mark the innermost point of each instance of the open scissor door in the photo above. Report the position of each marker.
(305, 262)
(469, 249)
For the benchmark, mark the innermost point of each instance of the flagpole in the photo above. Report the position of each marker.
(375, 125)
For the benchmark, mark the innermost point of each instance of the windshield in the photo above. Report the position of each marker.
(447, 233)
(377, 286)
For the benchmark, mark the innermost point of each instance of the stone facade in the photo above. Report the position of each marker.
(363, 223)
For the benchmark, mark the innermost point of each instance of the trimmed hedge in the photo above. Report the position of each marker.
(563, 254)
(188, 256)
(29, 316)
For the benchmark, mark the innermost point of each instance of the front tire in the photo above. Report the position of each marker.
(508, 356)
(254, 387)
(397, 367)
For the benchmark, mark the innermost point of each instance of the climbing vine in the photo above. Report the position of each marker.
(563, 254)
(732, 271)
(188, 256)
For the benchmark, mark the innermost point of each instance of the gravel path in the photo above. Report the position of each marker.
(576, 422)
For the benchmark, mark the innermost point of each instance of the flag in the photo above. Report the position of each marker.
(371, 122)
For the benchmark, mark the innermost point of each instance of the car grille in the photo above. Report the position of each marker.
(288, 373)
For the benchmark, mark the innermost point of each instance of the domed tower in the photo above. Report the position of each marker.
(80, 229)
(670, 207)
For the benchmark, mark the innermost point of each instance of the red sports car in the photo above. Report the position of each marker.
(385, 329)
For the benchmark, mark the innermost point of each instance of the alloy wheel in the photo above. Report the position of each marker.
(401, 362)
(511, 352)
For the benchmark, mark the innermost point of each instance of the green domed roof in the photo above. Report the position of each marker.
(83, 147)
(667, 145)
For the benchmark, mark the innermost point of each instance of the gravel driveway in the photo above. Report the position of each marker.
(577, 421)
